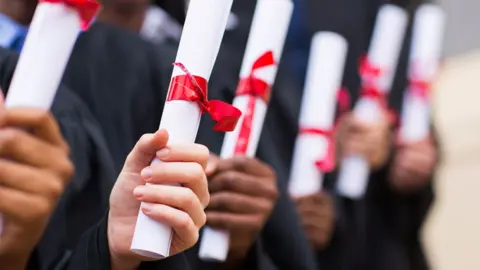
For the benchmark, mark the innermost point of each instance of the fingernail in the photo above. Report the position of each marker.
(147, 207)
(163, 153)
(146, 173)
(139, 192)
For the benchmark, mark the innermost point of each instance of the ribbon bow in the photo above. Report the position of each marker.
(327, 163)
(87, 9)
(254, 88)
(370, 74)
(194, 89)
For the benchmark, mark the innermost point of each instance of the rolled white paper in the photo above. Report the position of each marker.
(384, 52)
(268, 32)
(48, 46)
(425, 56)
(199, 45)
(324, 79)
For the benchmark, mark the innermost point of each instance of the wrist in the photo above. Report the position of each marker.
(119, 261)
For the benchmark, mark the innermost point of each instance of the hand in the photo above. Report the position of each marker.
(244, 192)
(34, 170)
(413, 165)
(372, 141)
(181, 207)
(318, 218)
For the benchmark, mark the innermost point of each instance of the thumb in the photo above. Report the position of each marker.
(145, 150)
(212, 164)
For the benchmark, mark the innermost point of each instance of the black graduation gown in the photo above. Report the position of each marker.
(86, 198)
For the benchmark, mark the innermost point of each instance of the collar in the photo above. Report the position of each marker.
(10, 31)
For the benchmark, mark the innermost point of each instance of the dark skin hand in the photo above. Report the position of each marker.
(413, 165)
(243, 193)
(34, 171)
(318, 218)
(372, 141)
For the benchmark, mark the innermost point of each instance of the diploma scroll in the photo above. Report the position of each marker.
(314, 144)
(258, 72)
(428, 31)
(47, 49)
(377, 72)
(186, 101)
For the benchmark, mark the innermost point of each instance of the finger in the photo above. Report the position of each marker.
(144, 151)
(416, 163)
(174, 196)
(38, 121)
(188, 174)
(25, 148)
(180, 222)
(238, 203)
(247, 165)
(243, 183)
(29, 180)
(229, 221)
(313, 212)
(23, 207)
(185, 153)
(355, 147)
(212, 164)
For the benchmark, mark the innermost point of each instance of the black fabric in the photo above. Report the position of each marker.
(92, 253)
(116, 73)
(86, 197)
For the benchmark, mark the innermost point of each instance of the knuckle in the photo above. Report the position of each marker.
(241, 162)
(189, 199)
(43, 117)
(195, 236)
(203, 152)
(228, 180)
(42, 209)
(206, 199)
(55, 188)
(66, 170)
(10, 138)
(184, 222)
(203, 220)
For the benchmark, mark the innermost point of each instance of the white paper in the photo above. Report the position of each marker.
(199, 45)
(268, 33)
(324, 79)
(48, 45)
(425, 56)
(384, 52)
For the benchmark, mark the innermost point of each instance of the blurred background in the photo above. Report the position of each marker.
(452, 235)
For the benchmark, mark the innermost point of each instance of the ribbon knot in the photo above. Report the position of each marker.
(87, 9)
(193, 88)
(327, 163)
(370, 73)
(254, 88)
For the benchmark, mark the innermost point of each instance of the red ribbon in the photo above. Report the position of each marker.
(193, 88)
(254, 88)
(370, 74)
(327, 163)
(87, 9)
(420, 88)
